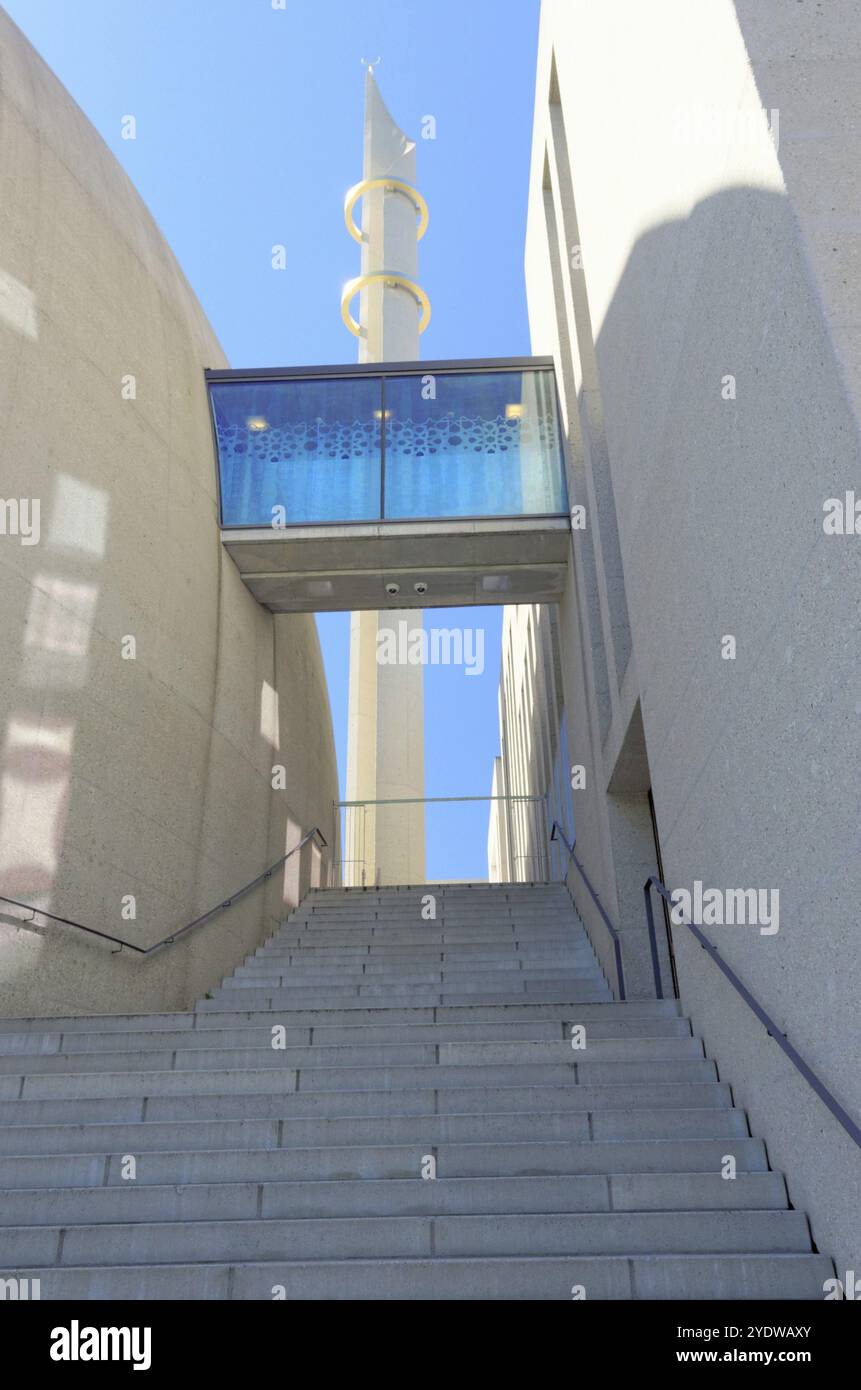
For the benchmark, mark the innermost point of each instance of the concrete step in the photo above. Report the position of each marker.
(406, 943)
(500, 923)
(322, 1133)
(397, 1197)
(53, 1044)
(420, 957)
(415, 916)
(686, 1277)
(480, 889)
(301, 1165)
(362, 1055)
(423, 958)
(270, 1102)
(527, 1158)
(524, 1279)
(378, 934)
(417, 958)
(354, 1055)
(388, 902)
(300, 978)
(422, 911)
(319, 997)
(531, 901)
(410, 1237)
(261, 1071)
(377, 1014)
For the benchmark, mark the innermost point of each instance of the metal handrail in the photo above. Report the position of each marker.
(557, 833)
(842, 1116)
(415, 800)
(198, 921)
(348, 806)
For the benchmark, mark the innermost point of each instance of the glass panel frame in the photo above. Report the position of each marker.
(492, 438)
(304, 452)
(319, 449)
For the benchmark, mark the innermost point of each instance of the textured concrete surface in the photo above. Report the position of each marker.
(706, 249)
(149, 777)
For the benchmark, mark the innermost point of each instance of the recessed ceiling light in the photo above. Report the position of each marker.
(256, 423)
(382, 415)
(514, 411)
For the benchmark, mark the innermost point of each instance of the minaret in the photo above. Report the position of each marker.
(385, 740)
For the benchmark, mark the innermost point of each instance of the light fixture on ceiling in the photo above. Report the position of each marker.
(256, 423)
(514, 411)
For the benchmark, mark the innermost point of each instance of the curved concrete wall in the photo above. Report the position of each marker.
(147, 776)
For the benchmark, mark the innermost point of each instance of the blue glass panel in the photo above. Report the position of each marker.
(472, 444)
(309, 446)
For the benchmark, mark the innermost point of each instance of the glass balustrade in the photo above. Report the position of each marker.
(422, 443)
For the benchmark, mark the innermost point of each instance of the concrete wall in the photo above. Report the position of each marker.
(530, 760)
(149, 777)
(671, 246)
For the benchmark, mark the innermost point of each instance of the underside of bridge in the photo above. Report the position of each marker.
(400, 485)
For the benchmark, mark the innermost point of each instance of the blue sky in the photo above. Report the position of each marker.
(248, 134)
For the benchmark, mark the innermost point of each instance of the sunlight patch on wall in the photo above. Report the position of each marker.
(58, 631)
(34, 783)
(269, 726)
(17, 306)
(79, 517)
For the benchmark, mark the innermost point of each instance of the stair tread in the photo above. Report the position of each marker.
(402, 1039)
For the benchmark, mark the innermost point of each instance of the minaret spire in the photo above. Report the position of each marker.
(385, 745)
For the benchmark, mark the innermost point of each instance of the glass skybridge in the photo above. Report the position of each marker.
(405, 484)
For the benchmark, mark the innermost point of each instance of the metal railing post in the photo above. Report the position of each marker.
(653, 944)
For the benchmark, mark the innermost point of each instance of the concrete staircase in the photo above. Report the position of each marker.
(296, 1171)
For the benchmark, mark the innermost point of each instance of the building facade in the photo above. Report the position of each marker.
(689, 260)
(532, 777)
(688, 706)
(163, 738)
